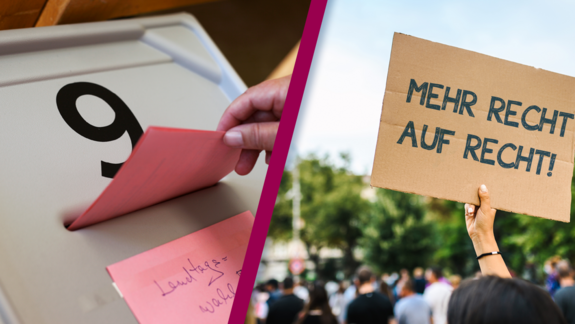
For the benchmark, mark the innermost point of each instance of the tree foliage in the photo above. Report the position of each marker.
(397, 233)
(281, 223)
(331, 208)
(399, 230)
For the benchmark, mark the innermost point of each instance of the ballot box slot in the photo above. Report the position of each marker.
(170, 74)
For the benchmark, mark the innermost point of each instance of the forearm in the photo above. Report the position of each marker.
(491, 265)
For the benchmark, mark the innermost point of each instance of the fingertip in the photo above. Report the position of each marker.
(483, 194)
(247, 161)
(234, 138)
(243, 168)
(240, 171)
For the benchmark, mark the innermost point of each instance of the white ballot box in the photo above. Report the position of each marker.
(167, 72)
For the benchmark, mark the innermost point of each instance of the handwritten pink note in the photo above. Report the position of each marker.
(190, 280)
(166, 163)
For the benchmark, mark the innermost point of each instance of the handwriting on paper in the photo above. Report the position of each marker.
(222, 299)
(191, 279)
(207, 270)
(189, 270)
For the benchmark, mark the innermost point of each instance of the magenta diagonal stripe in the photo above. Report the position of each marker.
(278, 160)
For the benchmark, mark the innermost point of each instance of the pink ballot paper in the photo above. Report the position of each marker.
(166, 163)
(190, 280)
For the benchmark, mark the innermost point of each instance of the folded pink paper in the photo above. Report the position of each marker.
(166, 163)
(190, 280)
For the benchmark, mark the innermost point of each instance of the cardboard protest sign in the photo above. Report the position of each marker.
(453, 119)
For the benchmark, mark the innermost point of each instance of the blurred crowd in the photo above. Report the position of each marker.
(420, 297)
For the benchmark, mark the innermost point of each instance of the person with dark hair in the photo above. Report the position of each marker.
(317, 311)
(387, 291)
(565, 297)
(565, 274)
(437, 294)
(369, 306)
(411, 308)
(496, 298)
(286, 308)
(272, 287)
(419, 280)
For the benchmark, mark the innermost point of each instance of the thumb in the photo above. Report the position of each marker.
(255, 136)
(484, 199)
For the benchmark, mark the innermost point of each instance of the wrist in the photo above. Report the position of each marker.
(485, 243)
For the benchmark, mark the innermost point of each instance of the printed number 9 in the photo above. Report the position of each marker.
(125, 121)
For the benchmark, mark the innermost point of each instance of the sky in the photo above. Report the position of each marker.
(342, 102)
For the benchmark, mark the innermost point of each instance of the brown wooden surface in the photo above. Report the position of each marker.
(254, 35)
(57, 12)
(19, 13)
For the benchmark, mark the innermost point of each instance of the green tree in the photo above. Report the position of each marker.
(397, 234)
(454, 250)
(331, 208)
(400, 230)
(281, 228)
(522, 239)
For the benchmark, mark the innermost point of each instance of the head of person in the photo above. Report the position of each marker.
(433, 274)
(385, 276)
(288, 286)
(408, 289)
(551, 263)
(342, 287)
(260, 287)
(455, 281)
(404, 274)
(565, 273)
(495, 300)
(364, 275)
(564, 269)
(418, 272)
(384, 288)
(317, 296)
(355, 281)
(272, 285)
(319, 301)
